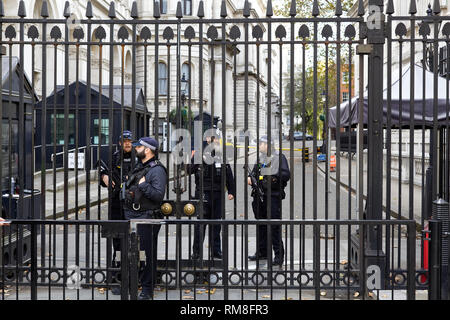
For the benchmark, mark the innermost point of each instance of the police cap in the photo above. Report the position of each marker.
(147, 142)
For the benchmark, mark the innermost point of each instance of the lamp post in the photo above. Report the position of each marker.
(429, 53)
(183, 85)
(183, 89)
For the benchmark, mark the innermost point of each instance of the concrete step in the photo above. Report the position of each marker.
(71, 182)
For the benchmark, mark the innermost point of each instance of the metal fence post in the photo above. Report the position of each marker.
(34, 273)
(375, 38)
(134, 261)
(441, 213)
(434, 292)
(124, 267)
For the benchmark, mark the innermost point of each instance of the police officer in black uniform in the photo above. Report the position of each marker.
(144, 193)
(213, 193)
(269, 173)
(121, 166)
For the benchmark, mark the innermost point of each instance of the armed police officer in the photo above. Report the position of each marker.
(212, 193)
(273, 174)
(144, 193)
(122, 163)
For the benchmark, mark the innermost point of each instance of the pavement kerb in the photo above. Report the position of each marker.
(345, 186)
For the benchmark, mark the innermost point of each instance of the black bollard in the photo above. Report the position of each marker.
(441, 213)
(434, 292)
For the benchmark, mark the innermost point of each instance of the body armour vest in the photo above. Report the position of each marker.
(134, 198)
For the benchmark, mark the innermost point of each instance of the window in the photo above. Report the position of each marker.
(6, 151)
(287, 93)
(162, 78)
(104, 131)
(185, 72)
(60, 128)
(345, 96)
(163, 6)
(160, 127)
(345, 77)
(187, 7)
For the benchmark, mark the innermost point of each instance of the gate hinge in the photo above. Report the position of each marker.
(364, 49)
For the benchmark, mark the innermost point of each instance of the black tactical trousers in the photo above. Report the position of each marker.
(116, 214)
(260, 211)
(212, 210)
(148, 235)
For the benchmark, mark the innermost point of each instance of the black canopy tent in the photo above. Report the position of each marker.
(400, 102)
(400, 116)
(82, 106)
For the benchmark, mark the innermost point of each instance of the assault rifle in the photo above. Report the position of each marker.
(257, 192)
(105, 170)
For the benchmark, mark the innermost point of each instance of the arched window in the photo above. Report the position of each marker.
(128, 67)
(162, 78)
(186, 73)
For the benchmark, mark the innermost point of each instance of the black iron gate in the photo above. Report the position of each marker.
(243, 73)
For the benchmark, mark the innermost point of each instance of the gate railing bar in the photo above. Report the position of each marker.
(224, 139)
(77, 133)
(21, 132)
(1, 130)
(200, 14)
(110, 143)
(400, 159)
(100, 35)
(411, 122)
(311, 222)
(66, 143)
(216, 42)
(336, 240)
(44, 16)
(269, 149)
(246, 13)
(436, 187)
(177, 167)
(293, 12)
(326, 138)
(89, 152)
(388, 145)
(259, 234)
(411, 257)
(349, 206)
(197, 21)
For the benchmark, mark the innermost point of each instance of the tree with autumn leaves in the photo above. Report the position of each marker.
(325, 65)
(305, 8)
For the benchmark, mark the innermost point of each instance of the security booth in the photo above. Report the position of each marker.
(17, 164)
(11, 158)
(100, 126)
(207, 123)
